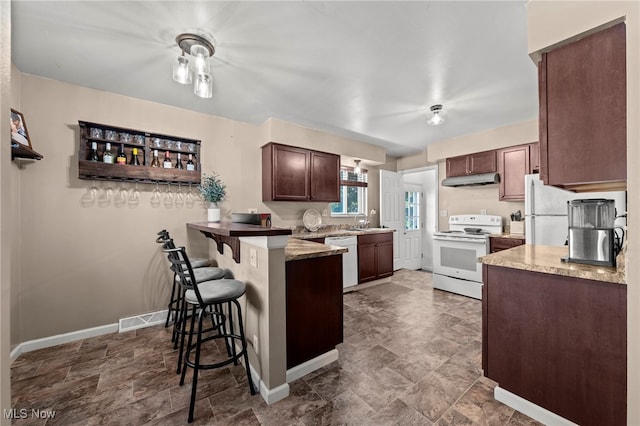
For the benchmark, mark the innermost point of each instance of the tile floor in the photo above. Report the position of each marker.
(411, 356)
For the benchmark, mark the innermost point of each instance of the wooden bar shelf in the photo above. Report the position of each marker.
(146, 143)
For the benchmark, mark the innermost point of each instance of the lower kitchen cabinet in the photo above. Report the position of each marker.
(375, 256)
(503, 243)
(314, 307)
(559, 342)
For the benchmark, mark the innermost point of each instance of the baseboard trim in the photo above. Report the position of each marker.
(46, 342)
(532, 410)
(311, 365)
(368, 284)
(270, 396)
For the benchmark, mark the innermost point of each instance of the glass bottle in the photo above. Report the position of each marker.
(121, 158)
(156, 161)
(134, 157)
(190, 164)
(108, 156)
(167, 160)
(179, 162)
(93, 154)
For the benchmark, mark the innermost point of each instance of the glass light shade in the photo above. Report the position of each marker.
(437, 115)
(357, 169)
(199, 59)
(203, 86)
(181, 71)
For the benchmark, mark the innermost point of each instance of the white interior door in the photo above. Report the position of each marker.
(411, 238)
(391, 209)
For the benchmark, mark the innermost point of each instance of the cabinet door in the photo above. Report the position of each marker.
(384, 259)
(325, 177)
(457, 166)
(513, 164)
(583, 111)
(367, 262)
(290, 175)
(482, 162)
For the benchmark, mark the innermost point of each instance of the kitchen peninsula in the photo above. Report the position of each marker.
(554, 335)
(293, 301)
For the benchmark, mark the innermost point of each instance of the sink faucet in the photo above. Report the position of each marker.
(362, 223)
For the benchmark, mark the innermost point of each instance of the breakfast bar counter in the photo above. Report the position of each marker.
(546, 259)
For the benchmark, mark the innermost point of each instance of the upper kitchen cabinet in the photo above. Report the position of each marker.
(582, 89)
(297, 174)
(471, 164)
(513, 163)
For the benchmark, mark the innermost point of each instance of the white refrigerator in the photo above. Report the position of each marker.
(546, 214)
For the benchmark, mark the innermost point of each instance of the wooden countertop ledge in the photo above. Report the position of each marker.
(546, 259)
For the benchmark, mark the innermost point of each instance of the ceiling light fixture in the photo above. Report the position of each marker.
(357, 169)
(194, 67)
(437, 115)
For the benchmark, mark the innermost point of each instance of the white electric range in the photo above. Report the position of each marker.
(455, 253)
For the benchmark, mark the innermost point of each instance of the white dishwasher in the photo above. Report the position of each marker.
(349, 259)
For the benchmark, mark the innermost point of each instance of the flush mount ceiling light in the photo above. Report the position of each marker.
(437, 115)
(193, 64)
(357, 169)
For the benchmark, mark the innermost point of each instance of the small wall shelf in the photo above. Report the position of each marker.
(21, 151)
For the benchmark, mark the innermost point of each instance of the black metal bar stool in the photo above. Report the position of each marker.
(174, 302)
(181, 313)
(215, 299)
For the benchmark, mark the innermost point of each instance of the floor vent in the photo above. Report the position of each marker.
(142, 321)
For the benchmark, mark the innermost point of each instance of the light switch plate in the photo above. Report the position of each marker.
(443, 213)
(253, 257)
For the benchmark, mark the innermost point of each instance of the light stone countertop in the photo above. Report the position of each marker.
(298, 249)
(508, 235)
(546, 259)
(323, 233)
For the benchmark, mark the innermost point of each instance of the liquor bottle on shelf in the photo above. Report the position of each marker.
(134, 157)
(121, 158)
(167, 160)
(179, 162)
(108, 156)
(93, 154)
(155, 162)
(190, 164)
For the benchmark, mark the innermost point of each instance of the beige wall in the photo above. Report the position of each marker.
(88, 265)
(550, 23)
(8, 211)
(473, 199)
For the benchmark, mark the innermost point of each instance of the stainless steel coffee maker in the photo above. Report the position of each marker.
(592, 237)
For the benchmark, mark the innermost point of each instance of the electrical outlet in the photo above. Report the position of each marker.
(253, 210)
(443, 213)
(253, 257)
(255, 343)
(483, 211)
(325, 212)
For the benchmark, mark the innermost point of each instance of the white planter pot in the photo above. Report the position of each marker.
(213, 213)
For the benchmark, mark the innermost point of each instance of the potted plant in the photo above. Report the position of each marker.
(213, 190)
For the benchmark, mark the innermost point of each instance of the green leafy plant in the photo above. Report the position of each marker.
(212, 188)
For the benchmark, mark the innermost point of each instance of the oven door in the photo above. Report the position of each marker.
(457, 257)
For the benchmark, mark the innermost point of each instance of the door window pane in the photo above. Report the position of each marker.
(411, 210)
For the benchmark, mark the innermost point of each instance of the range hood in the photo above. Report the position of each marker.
(471, 180)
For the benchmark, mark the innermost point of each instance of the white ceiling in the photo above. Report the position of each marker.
(365, 70)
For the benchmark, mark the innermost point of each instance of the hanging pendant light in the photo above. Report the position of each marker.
(195, 67)
(437, 115)
(357, 169)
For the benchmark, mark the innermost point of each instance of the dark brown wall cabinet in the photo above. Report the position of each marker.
(314, 307)
(502, 243)
(472, 164)
(513, 163)
(297, 174)
(559, 342)
(583, 120)
(375, 256)
(146, 143)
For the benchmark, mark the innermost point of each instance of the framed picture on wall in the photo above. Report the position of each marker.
(19, 132)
